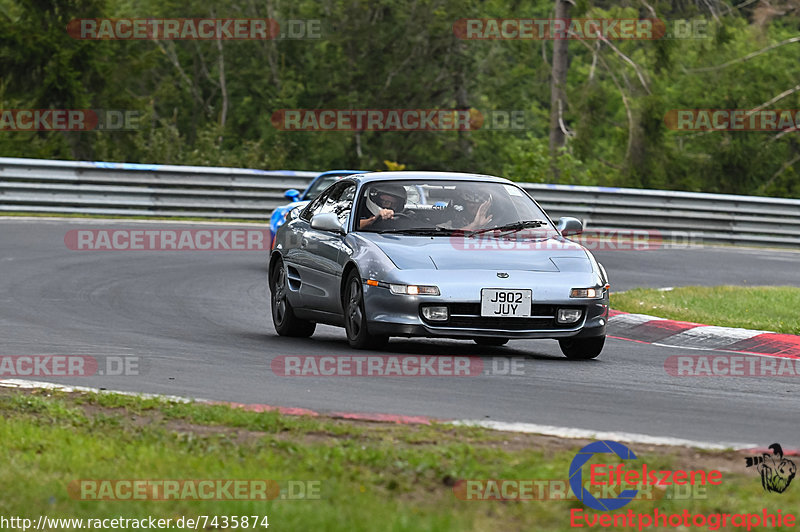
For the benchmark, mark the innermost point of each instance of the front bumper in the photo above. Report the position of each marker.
(400, 315)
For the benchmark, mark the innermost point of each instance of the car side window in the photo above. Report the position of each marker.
(315, 206)
(341, 203)
(338, 200)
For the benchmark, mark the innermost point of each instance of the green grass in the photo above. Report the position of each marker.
(371, 476)
(769, 308)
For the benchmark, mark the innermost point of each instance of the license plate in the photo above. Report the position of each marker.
(505, 303)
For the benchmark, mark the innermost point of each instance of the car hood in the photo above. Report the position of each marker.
(459, 253)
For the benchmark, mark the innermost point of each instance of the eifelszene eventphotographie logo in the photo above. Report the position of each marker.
(621, 476)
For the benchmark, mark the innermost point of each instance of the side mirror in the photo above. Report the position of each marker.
(568, 225)
(327, 221)
(292, 194)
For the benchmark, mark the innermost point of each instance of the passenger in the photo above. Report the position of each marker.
(474, 213)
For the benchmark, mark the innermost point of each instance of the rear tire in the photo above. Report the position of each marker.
(490, 341)
(286, 323)
(355, 317)
(582, 348)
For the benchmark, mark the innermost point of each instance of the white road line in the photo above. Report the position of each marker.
(566, 432)
(529, 428)
(30, 385)
(108, 221)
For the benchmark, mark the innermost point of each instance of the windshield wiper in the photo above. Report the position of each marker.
(424, 231)
(514, 226)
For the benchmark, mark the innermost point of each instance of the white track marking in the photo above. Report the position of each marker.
(108, 221)
(548, 430)
(566, 432)
(709, 337)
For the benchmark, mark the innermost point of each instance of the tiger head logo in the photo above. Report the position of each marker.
(776, 471)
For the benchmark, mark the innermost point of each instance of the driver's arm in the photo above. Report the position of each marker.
(384, 214)
(366, 222)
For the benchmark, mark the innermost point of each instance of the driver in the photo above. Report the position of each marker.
(383, 201)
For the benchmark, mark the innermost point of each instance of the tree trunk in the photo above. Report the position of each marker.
(223, 85)
(558, 82)
(462, 100)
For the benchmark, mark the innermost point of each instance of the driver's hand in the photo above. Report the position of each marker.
(386, 214)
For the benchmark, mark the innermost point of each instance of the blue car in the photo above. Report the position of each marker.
(298, 199)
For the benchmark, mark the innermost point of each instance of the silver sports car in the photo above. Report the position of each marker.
(436, 254)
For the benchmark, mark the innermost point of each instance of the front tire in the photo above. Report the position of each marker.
(355, 317)
(582, 348)
(286, 323)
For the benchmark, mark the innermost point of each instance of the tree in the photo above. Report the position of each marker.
(558, 84)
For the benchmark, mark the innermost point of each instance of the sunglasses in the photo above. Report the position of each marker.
(387, 201)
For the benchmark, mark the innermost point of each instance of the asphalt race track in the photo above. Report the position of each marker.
(200, 323)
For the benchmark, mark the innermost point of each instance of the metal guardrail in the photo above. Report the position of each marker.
(44, 186)
(681, 216)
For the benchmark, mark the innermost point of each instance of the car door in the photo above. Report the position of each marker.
(320, 252)
(295, 253)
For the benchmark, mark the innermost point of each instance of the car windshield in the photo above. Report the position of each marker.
(446, 207)
(321, 184)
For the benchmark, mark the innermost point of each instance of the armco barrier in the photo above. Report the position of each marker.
(713, 218)
(44, 186)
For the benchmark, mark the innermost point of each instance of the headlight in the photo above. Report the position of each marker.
(413, 290)
(588, 293)
(406, 289)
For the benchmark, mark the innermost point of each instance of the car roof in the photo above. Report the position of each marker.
(340, 172)
(427, 176)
